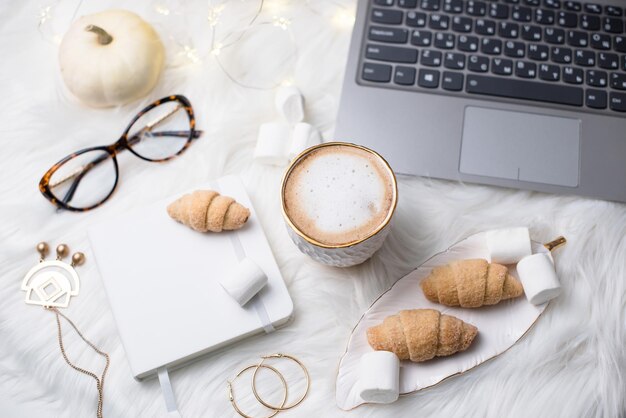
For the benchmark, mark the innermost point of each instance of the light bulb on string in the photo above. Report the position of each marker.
(344, 19)
(281, 22)
(214, 13)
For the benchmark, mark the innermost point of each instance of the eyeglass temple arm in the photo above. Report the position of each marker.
(78, 174)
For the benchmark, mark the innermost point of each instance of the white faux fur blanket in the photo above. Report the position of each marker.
(572, 363)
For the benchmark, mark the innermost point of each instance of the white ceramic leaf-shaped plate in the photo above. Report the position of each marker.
(499, 327)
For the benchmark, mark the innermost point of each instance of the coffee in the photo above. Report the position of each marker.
(339, 194)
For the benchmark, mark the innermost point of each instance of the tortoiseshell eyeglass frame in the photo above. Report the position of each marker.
(123, 143)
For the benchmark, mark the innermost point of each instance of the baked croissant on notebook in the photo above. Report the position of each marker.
(421, 334)
(470, 284)
(207, 210)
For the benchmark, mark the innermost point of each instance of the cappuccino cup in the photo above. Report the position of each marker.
(337, 201)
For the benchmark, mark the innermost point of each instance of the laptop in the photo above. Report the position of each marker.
(527, 94)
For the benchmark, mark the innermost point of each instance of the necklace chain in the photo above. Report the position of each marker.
(99, 380)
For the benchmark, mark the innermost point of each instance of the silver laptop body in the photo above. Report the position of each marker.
(489, 139)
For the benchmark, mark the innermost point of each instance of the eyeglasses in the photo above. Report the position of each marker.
(87, 178)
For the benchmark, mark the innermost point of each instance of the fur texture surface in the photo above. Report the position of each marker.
(571, 364)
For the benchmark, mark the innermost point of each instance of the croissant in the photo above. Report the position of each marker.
(470, 284)
(207, 210)
(421, 334)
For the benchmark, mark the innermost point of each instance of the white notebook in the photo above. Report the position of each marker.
(161, 279)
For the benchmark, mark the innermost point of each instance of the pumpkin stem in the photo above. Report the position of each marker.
(103, 37)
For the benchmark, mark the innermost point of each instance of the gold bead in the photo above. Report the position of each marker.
(62, 251)
(42, 248)
(78, 259)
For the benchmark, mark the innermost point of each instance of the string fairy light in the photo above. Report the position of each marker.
(162, 9)
(281, 22)
(214, 13)
(342, 17)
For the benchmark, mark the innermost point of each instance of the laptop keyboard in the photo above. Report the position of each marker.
(558, 52)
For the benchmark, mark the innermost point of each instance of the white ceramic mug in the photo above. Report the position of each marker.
(350, 253)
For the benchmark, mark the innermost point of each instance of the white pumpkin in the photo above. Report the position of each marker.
(110, 58)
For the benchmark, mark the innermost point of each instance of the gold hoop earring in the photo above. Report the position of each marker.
(281, 407)
(231, 395)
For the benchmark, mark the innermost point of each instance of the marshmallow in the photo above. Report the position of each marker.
(271, 144)
(245, 281)
(379, 380)
(290, 104)
(303, 136)
(508, 246)
(537, 274)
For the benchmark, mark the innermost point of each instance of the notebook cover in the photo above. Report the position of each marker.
(161, 280)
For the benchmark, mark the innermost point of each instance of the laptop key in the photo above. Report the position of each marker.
(444, 40)
(462, 24)
(421, 37)
(452, 81)
(554, 36)
(522, 14)
(508, 30)
(428, 78)
(567, 19)
(589, 22)
(525, 69)
(618, 81)
(383, 2)
(608, 61)
(617, 102)
(532, 2)
(453, 6)
(391, 53)
(454, 60)
(416, 19)
(485, 27)
(431, 58)
(600, 41)
(432, 5)
(573, 75)
(514, 49)
(595, 99)
(404, 76)
(612, 25)
(552, 4)
(573, 6)
(501, 66)
(538, 52)
(577, 38)
(531, 33)
(619, 44)
(498, 11)
(585, 58)
(439, 22)
(593, 8)
(544, 16)
(391, 35)
(561, 55)
(478, 64)
(491, 46)
(407, 4)
(525, 90)
(467, 43)
(387, 16)
(614, 11)
(549, 72)
(379, 73)
(476, 8)
(597, 78)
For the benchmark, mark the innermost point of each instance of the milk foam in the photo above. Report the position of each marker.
(338, 194)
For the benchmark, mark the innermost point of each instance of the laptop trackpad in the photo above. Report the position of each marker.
(520, 146)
